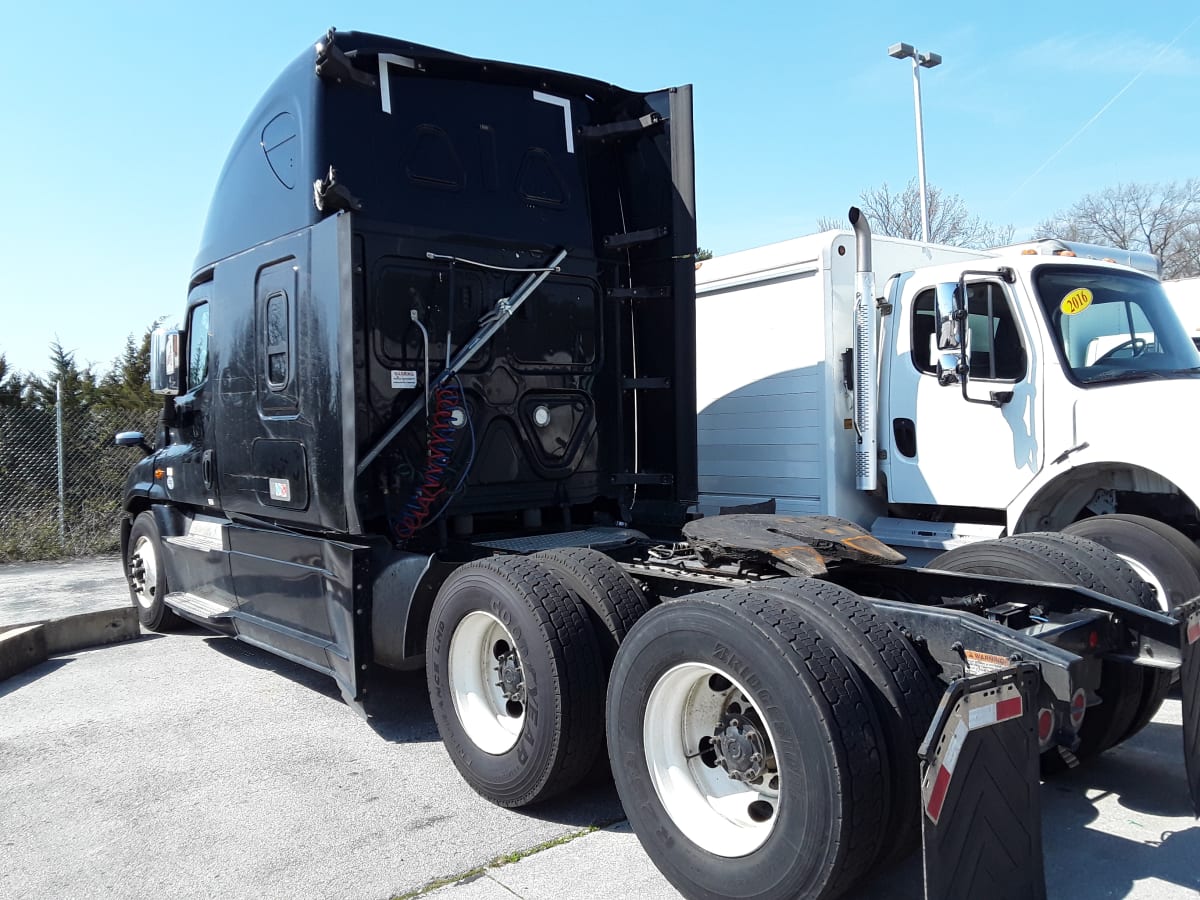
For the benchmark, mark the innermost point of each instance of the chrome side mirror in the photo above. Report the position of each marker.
(164, 361)
(951, 339)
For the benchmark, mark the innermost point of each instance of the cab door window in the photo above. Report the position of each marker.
(197, 337)
(996, 351)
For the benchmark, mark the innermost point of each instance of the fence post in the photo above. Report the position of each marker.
(62, 494)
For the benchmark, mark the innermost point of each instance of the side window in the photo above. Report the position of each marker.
(996, 351)
(278, 341)
(197, 336)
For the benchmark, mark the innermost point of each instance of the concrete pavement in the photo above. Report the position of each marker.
(32, 592)
(192, 765)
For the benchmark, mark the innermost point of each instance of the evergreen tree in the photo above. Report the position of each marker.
(127, 384)
(12, 385)
(80, 388)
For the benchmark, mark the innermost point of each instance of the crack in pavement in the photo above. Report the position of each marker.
(506, 859)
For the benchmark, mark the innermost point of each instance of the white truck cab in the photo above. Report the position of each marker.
(1069, 398)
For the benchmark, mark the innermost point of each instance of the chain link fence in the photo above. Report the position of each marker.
(62, 478)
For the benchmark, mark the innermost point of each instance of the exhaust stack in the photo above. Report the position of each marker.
(865, 357)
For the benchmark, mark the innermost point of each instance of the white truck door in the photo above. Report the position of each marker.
(945, 450)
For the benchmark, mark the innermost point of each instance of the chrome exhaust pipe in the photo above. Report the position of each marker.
(866, 355)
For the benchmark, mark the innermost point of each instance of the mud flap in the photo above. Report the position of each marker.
(1189, 685)
(981, 815)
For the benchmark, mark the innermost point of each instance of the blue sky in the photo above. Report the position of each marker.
(117, 118)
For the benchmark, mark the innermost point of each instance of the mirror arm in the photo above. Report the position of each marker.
(1009, 276)
(998, 398)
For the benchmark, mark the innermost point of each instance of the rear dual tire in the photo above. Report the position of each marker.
(516, 680)
(900, 687)
(746, 746)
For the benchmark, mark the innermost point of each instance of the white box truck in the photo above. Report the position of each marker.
(1184, 294)
(824, 395)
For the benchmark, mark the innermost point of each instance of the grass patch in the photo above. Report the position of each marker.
(504, 859)
(31, 533)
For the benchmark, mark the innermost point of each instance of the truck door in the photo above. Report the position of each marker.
(188, 459)
(943, 449)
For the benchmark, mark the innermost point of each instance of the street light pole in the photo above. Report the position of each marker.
(919, 61)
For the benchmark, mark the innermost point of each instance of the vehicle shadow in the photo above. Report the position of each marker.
(248, 654)
(1128, 846)
(54, 663)
(14, 683)
(399, 712)
(397, 703)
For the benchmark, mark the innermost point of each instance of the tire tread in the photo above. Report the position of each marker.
(579, 677)
(853, 737)
(905, 693)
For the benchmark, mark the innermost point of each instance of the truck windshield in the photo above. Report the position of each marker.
(1113, 326)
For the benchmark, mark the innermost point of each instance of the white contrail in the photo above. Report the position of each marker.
(1115, 97)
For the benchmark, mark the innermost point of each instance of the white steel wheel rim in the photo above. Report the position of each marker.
(145, 582)
(484, 708)
(719, 814)
(1147, 575)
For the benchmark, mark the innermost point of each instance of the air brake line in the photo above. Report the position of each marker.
(447, 399)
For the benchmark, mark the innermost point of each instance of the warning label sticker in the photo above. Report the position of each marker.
(982, 663)
(404, 378)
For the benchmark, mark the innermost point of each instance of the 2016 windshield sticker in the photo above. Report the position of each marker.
(1076, 302)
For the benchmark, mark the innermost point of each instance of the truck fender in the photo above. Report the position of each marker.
(403, 589)
(170, 521)
(1056, 502)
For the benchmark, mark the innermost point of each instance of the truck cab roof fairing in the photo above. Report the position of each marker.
(295, 132)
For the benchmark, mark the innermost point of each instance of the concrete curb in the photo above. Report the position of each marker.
(21, 647)
(26, 645)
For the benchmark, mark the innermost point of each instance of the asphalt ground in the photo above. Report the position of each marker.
(192, 765)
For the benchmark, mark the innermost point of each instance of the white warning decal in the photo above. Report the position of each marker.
(404, 378)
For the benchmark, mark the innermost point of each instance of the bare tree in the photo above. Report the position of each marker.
(1163, 219)
(899, 215)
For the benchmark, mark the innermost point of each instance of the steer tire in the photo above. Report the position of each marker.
(613, 600)
(515, 755)
(676, 670)
(1165, 554)
(1124, 584)
(1121, 685)
(146, 575)
(903, 691)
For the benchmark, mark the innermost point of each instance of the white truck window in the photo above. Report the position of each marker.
(996, 350)
(197, 338)
(1112, 325)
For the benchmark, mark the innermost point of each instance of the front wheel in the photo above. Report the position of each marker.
(1164, 557)
(743, 751)
(146, 577)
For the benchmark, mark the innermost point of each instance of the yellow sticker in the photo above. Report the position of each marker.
(1076, 302)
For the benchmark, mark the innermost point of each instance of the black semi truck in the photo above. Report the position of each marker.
(433, 405)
